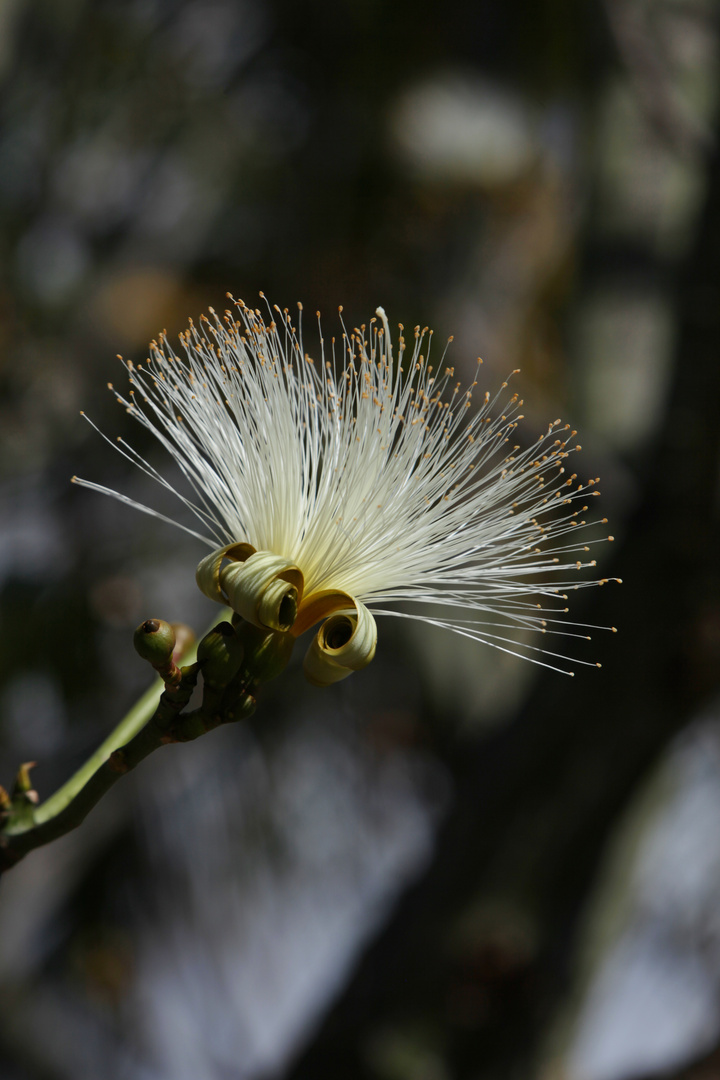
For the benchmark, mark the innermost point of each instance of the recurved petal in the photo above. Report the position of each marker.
(264, 589)
(207, 574)
(344, 643)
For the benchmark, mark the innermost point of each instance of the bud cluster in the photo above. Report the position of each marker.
(235, 658)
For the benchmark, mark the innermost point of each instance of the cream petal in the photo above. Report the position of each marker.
(344, 643)
(263, 588)
(207, 574)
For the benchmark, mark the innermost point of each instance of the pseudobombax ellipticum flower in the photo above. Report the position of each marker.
(356, 482)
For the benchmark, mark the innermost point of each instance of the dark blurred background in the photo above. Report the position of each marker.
(451, 866)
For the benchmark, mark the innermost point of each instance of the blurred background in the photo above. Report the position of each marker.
(452, 866)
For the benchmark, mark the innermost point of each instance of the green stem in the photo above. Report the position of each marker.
(136, 736)
(128, 727)
(28, 827)
(236, 660)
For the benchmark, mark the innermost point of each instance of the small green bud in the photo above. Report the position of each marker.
(23, 783)
(22, 788)
(154, 641)
(220, 653)
(266, 651)
(240, 709)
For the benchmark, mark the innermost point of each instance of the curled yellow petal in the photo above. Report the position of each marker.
(344, 643)
(264, 589)
(317, 606)
(207, 574)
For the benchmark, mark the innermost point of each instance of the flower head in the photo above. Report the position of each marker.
(331, 486)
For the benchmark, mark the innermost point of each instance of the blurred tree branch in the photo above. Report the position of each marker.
(537, 801)
(650, 74)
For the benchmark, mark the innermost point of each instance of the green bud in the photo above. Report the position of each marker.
(154, 641)
(240, 709)
(220, 653)
(22, 788)
(266, 651)
(23, 783)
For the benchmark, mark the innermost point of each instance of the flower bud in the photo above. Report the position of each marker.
(23, 791)
(266, 651)
(220, 653)
(154, 641)
(241, 708)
